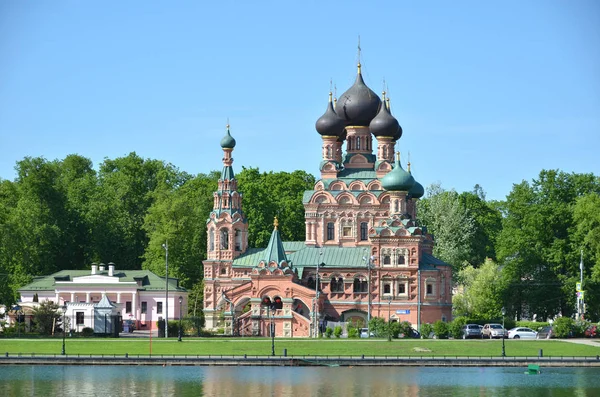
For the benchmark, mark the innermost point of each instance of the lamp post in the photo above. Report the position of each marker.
(272, 307)
(166, 248)
(64, 310)
(503, 332)
(389, 317)
(369, 261)
(180, 301)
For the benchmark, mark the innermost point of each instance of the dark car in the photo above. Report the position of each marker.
(545, 333)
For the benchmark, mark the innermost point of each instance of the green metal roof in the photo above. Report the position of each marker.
(227, 173)
(275, 251)
(150, 281)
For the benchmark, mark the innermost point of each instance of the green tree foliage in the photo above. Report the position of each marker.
(270, 195)
(46, 318)
(450, 223)
(481, 292)
(538, 245)
(178, 216)
(440, 328)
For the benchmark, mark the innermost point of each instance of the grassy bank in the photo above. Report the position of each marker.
(262, 346)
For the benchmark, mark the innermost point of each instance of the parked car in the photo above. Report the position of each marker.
(545, 333)
(521, 333)
(471, 331)
(493, 331)
(364, 333)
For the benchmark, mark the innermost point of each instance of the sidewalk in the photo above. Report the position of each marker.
(142, 333)
(583, 341)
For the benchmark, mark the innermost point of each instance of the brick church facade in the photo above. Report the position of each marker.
(365, 254)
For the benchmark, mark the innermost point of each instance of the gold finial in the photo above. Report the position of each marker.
(398, 156)
(276, 223)
(408, 164)
(334, 95)
(387, 103)
(383, 96)
(227, 124)
(359, 66)
(330, 96)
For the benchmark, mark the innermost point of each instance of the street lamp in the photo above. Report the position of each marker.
(166, 248)
(272, 307)
(369, 261)
(64, 311)
(180, 301)
(503, 332)
(389, 317)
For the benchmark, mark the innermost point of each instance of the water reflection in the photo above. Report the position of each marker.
(294, 381)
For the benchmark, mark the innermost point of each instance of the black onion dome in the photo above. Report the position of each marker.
(359, 105)
(398, 133)
(384, 124)
(330, 124)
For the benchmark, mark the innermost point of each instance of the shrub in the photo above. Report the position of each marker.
(328, 332)
(405, 329)
(87, 332)
(378, 326)
(353, 332)
(440, 328)
(455, 327)
(338, 331)
(426, 330)
(394, 329)
(534, 325)
(563, 327)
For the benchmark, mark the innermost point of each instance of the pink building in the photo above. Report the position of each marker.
(136, 295)
(364, 247)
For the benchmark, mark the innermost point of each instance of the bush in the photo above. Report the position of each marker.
(455, 327)
(378, 327)
(426, 330)
(338, 331)
(534, 325)
(563, 327)
(328, 332)
(440, 328)
(352, 332)
(404, 329)
(87, 332)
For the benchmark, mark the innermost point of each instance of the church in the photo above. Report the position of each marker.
(365, 254)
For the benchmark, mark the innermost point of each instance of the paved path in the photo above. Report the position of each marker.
(582, 341)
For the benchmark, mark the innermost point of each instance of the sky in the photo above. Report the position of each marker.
(487, 93)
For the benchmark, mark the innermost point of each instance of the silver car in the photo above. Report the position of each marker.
(471, 331)
(493, 331)
(522, 333)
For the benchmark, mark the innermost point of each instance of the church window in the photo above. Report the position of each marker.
(310, 283)
(360, 285)
(211, 240)
(223, 270)
(238, 240)
(401, 260)
(358, 143)
(401, 289)
(364, 231)
(224, 239)
(429, 289)
(386, 259)
(387, 288)
(337, 285)
(330, 231)
(347, 231)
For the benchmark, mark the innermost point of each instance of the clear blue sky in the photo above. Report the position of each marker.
(486, 93)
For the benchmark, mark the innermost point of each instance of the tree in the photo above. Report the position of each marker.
(450, 223)
(537, 245)
(481, 292)
(46, 317)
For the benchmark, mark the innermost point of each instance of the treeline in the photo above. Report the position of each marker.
(522, 254)
(63, 214)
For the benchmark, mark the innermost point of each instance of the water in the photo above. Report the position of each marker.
(108, 381)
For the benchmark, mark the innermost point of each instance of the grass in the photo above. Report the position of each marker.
(297, 347)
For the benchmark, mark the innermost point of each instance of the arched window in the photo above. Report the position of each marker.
(211, 238)
(401, 260)
(310, 283)
(387, 259)
(224, 239)
(337, 284)
(360, 285)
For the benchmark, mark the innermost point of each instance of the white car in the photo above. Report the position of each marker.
(521, 333)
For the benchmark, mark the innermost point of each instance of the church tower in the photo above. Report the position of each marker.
(227, 232)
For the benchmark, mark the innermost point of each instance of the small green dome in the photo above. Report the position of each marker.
(228, 142)
(417, 191)
(398, 180)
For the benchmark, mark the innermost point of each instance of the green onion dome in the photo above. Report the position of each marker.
(228, 142)
(398, 180)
